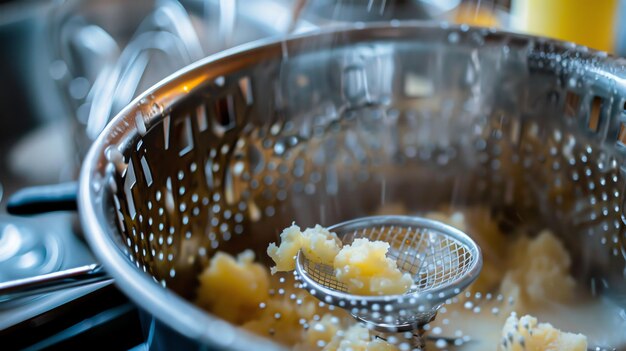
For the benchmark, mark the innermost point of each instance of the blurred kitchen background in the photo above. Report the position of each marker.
(67, 67)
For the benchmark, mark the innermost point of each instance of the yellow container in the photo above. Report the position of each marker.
(586, 22)
(474, 14)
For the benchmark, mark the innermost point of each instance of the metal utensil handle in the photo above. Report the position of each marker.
(42, 199)
(55, 281)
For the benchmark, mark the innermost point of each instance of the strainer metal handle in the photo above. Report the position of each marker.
(43, 199)
(46, 283)
(38, 200)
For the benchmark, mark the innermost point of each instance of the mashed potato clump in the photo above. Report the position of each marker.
(318, 244)
(526, 334)
(539, 272)
(236, 289)
(366, 270)
(283, 255)
(232, 288)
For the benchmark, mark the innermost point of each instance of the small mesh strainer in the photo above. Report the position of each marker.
(441, 260)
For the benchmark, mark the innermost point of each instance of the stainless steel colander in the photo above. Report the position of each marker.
(330, 126)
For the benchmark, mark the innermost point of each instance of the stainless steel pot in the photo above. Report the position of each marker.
(329, 126)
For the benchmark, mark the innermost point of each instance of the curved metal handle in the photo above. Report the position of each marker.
(42, 199)
(46, 283)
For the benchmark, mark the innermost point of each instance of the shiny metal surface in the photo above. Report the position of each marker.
(35, 148)
(441, 260)
(26, 250)
(330, 126)
(51, 282)
(105, 53)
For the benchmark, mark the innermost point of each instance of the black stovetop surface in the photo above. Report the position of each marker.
(103, 319)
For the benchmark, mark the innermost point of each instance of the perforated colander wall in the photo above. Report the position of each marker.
(458, 118)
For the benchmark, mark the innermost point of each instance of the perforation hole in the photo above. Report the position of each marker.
(572, 103)
(184, 135)
(595, 114)
(129, 183)
(166, 132)
(146, 171)
(246, 89)
(224, 115)
(621, 137)
(201, 118)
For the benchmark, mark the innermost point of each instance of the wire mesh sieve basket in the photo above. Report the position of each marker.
(330, 126)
